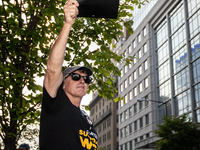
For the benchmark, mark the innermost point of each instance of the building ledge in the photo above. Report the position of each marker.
(102, 117)
(147, 143)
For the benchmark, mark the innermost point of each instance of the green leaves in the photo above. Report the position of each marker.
(28, 30)
(177, 133)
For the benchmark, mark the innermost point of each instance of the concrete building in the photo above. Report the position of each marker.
(166, 43)
(105, 120)
(166, 71)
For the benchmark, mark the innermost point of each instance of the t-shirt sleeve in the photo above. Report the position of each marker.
(51, 105)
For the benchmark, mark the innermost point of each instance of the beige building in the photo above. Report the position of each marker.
(105, 120)
(166, 43)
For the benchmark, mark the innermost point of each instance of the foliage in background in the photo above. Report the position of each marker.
(27, 30)
(178, 133)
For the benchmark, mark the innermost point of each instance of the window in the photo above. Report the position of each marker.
(99, 128)
(109, 135)
(136, 140)
(145, 31)
(130, 95)
(139, 54)
(141, 122)
(135, 59)
(117, 132)
(122, 73)
(139, 38)
(130, 128)
(126, 131)
(130, 79)
(108, 147)
(147, 119)
(126, 54)
(104, 125)
(126, 69)
(109, 122)
(140, 105)
(145, 65)
(121, 117)
(146, 102)
(134, 44)
(126, 84)
(121, 133)
(135, 125)
(135, 91)
(130, 145)
(126, 146)
(99, 140)
(130, 111)
(126, 99)
(134, 75)
(121, 87)
(140, 87)
(121, 147)
(126, 114)
(145, 48)
(141, 138)
(122, 103)
(146, 82)
(129, 49)
(130, 65)
(140, 70)
(135, 108)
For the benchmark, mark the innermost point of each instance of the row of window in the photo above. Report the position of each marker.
(143, 121)
(108, 147)
(135, 42)
(137, 56)
(129, 112)
(105, 125)
(172, 33)
(101, 104)
(138, 72)
(129, 145)
(135, 91)
(106, 137)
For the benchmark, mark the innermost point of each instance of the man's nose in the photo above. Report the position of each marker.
(82, 80)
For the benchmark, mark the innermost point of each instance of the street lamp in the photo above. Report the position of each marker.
(142, 99)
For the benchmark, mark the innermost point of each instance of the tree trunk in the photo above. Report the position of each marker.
(11, 133)
(9, 143)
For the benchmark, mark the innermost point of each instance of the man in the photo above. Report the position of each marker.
(24, 147)
(63, 126)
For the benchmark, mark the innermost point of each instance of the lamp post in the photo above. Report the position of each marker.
(142, 99)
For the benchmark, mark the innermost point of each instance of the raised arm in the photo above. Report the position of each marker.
(53, 77)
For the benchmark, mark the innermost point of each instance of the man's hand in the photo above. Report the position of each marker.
(70, 11)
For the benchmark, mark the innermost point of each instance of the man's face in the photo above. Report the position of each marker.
(75, 89)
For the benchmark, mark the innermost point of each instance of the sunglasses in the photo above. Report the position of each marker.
(77, 77)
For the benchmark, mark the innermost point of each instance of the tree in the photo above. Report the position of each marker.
(28, 29)
(178, 133)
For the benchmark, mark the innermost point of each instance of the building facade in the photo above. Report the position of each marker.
(166, 69)
(166, 44)
(105, 120)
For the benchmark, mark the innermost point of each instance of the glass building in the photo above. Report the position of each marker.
(166, 44)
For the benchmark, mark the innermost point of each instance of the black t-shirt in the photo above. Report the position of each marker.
(62, 125)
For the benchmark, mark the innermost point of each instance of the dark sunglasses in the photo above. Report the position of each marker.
(77, 77)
